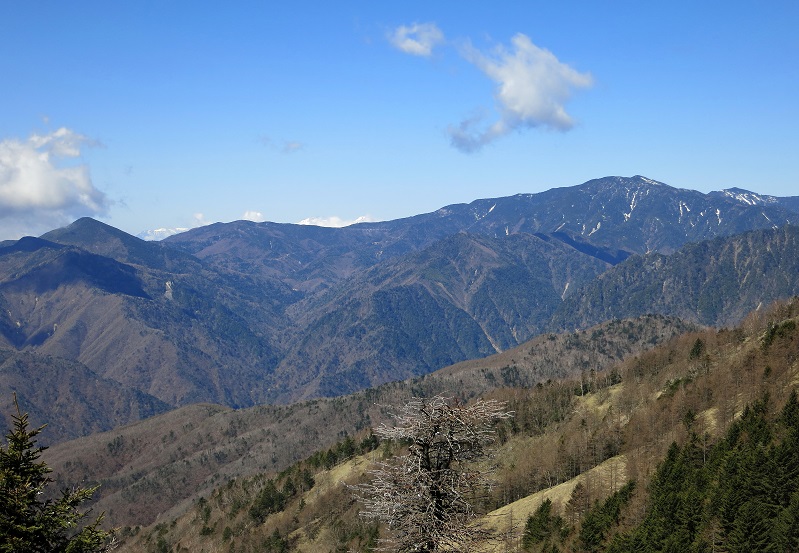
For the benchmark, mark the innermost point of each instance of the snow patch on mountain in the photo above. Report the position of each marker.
(748, 198)
(633, 203)
(683, 209)
(650, 181)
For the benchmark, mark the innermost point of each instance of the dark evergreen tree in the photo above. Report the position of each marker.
(29, 522)
(751, 529)
(269, 500)
(742, 496)
(602, 517)
(276, 543)
(543, 527)
(786, 529)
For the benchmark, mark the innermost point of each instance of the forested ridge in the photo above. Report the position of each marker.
(741, 494)
(691, 446)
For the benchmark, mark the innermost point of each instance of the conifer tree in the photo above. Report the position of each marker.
(543, 527)
(29, 523)
(786, 530)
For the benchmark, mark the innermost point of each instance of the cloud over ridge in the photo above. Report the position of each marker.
(254, 216)
(334, 221)
(41, 186)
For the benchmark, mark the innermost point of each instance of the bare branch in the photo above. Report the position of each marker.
(427, 497)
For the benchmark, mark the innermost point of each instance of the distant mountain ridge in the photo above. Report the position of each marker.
(633, 215)
(247, 313)
(715, 282)
(790, 203)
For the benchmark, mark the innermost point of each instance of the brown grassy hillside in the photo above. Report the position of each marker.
(597, 432)
(158, 467)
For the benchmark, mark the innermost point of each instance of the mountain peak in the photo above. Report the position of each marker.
(102, 239)
(746, 197)
(85, 231)
(647, 180)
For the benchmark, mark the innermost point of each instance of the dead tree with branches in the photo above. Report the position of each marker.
(427, 497)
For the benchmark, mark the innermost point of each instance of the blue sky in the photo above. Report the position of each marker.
(172, 114)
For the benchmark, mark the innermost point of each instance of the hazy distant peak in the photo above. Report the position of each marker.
(160, 233)
(334, 222)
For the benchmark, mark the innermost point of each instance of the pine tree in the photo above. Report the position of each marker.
(603, 516)
(538, 524)
(543, 527)
(751, 530)
(29, 523)
(786, 530)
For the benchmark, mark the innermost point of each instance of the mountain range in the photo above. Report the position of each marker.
(245, 313)
(592, 411)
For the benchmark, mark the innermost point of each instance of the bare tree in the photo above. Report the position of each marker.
(427, 497)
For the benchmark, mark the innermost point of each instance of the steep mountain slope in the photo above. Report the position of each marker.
(307, 258)
(464, 297)
(635, 214)
(246, 313)
(790, 203)
(722, 402)
(164, 463)
(360, 326)
(68, 398)
(714, 282)
(262, 298)
(177, 335)
(102, 239)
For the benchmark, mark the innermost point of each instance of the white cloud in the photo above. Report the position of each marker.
(418, 39)
(532, 89)
(199, 220)
(40, 189)
(334, 221)
(254, 216)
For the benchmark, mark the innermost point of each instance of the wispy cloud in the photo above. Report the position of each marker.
(334, 221)
(254, 216)
(284, 147)
(533, 87)
(418, 39)
(291, 146)
(41, 185)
